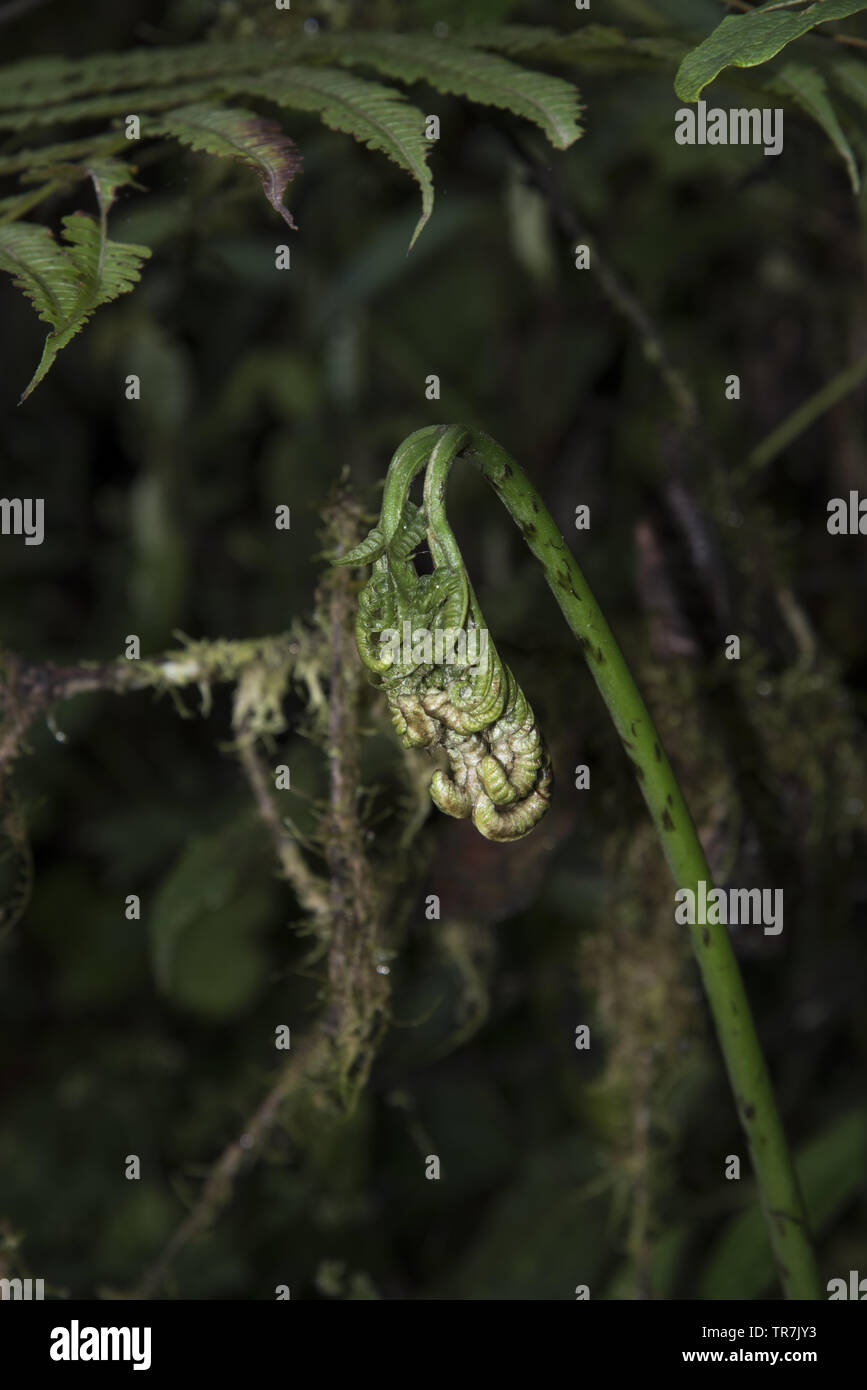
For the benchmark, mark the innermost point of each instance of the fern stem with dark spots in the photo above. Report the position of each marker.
(720, 974)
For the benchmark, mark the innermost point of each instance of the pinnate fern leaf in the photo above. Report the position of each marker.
(32, 162)
(67, 283)
(116, 105)
(378, 116)
(293, 72)
(186, 93)
(549, 102)
(48, 81)
(233, 133)
(594, 47)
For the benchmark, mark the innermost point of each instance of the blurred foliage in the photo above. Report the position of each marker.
(259, 388)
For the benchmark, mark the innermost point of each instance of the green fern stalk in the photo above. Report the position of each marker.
(506, 774)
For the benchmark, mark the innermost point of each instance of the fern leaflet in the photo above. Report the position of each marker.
(66, 284)
(378, 116)
(548, 102)
(242, 135)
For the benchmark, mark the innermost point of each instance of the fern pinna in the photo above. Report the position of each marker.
(192, 94)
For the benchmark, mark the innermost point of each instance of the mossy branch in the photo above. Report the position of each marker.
(333, 1062)
(260, 670)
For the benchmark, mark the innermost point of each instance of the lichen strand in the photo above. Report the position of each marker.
(469, 705)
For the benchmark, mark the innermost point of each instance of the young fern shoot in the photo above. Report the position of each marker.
(424, 640)
(500, 772)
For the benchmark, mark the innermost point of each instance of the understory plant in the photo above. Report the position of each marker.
(129, 176)
(499, 769)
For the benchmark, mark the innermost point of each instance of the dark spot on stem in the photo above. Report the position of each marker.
(667, 822)
(535, 505)
(639, 770)
(507, 470)
(528, 528)
(669, 800)
(705, 936)
(627, 744)
(750, 1112)
(600, 656)
(657, 752)
(585, 643)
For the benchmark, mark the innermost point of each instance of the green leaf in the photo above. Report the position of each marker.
(745, 40)
(549, 102)
(808, 88)
(232, 133)
(378, 116)
(67, 284)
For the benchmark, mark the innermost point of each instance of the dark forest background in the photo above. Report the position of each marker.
(559, 1167)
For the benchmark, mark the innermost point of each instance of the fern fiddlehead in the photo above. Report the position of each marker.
(500, 772)
(424, 640)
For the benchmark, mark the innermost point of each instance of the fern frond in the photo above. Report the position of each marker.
(113, 105)
(233, 133)
(67, 152)
(380, 117)
(106, 173)
(509, 38)
(294, 72)
(549, 102)
(59, 91)
(592, 47)
(180, 93)
(50, 81)
(67, 284)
